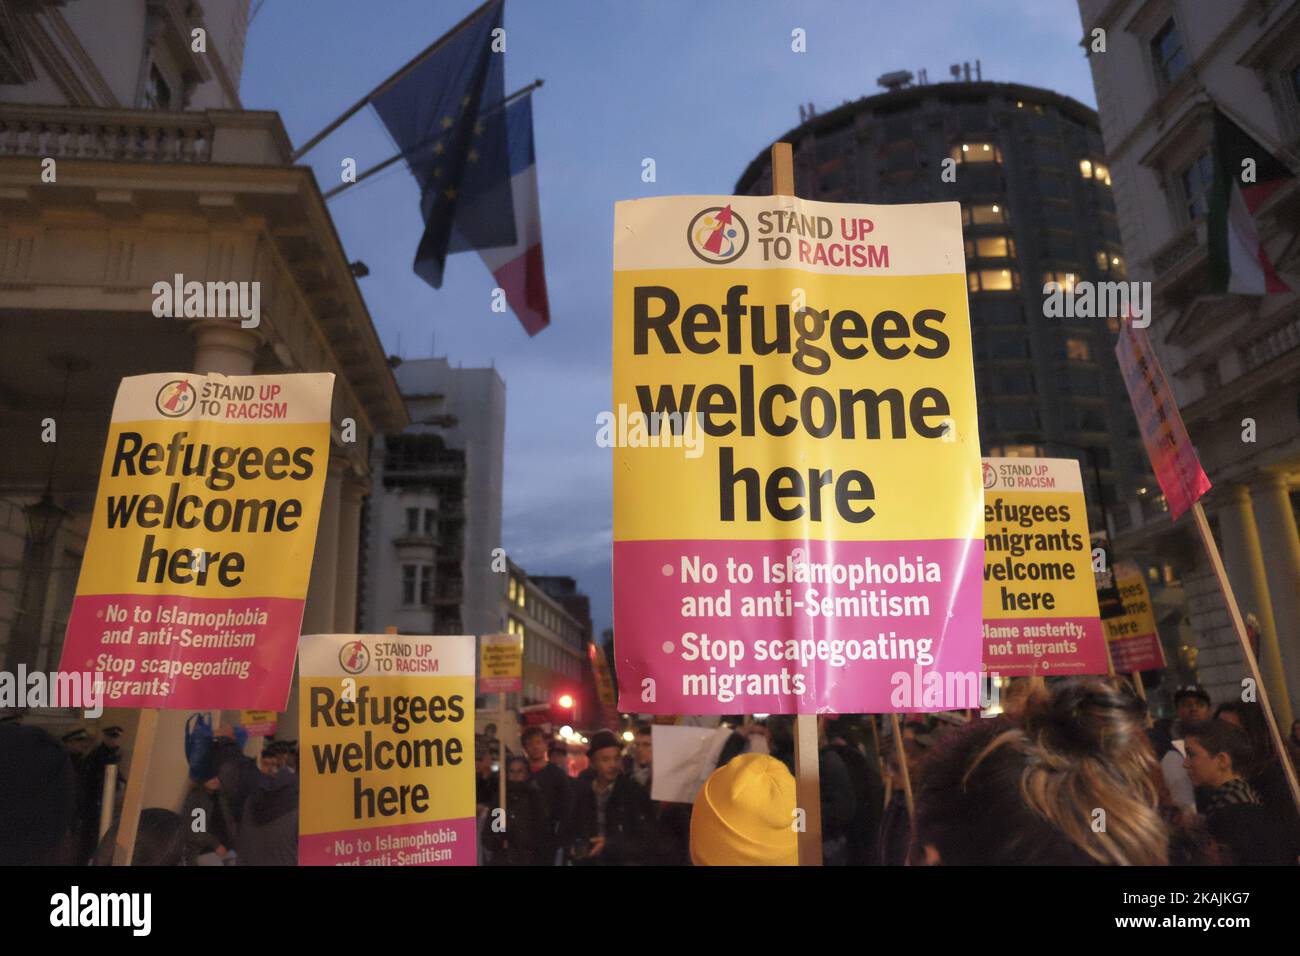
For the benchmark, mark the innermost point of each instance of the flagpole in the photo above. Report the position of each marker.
(380, 167)
(419, 57)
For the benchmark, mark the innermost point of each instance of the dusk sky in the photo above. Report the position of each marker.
(699, 87)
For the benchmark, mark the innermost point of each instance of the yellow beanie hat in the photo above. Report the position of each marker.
(744, 815)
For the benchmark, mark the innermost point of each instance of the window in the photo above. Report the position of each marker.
(990, 247)
(412, 520)
(976, 153)
(1016, 451)
(409, 576)
(986, 215)
(1085, 381)
(1089, 420)
(1014, 383)
(157, 94)
(994, 280)
(520, 597)
(510, 593)
(1016, 417)
(1085, 168)
(1196, 180)
(1101, 174)
(428, 521)
(1167, 54)
(1078, 350)
(1065, 280)
(426, 584)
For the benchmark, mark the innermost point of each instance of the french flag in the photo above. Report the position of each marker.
(499, 214)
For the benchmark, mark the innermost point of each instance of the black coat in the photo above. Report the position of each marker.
(629, 823)
(525, 840)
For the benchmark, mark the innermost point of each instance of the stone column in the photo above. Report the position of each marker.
(227, 348)
(1244, 562)
(345, 588)
(1280, 545)
(318, 617)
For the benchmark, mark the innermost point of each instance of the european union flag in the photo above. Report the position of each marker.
(433, 114)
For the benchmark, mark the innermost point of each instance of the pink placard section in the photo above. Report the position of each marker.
(186, 653)
(437, 843)
(730, 627)
(1044, 647)
(497, 685)
(1139, 653)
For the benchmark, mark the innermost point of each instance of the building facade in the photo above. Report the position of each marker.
(1162, 71)
(156, 170)
(1027, 166)
(432, 562)
(541, 610)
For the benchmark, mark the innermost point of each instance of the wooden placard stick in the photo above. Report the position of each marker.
(807, 773)
(903, 770)
(141, 756)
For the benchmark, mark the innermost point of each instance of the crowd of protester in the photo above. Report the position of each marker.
(1073, 772)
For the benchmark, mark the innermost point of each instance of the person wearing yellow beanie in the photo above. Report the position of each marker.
(744, 815)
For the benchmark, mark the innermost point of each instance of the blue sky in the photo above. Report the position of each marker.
(700, 86)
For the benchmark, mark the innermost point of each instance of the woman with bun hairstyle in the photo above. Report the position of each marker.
(1073, 783)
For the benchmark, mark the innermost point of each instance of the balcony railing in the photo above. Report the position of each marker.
(150, 136)
(1182, 245)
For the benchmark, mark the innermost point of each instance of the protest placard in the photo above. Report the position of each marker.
(1134, 642)
(1040, 597)
(797, 511)
(1173, 457)
(258, 723)
(501, 663)
(387, 750)
(195, 574)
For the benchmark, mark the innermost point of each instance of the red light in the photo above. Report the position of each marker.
(566, 701)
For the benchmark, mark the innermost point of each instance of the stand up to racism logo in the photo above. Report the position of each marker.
(718, 235)
(175, 398)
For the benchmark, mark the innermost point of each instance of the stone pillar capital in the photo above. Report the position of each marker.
(224, 346)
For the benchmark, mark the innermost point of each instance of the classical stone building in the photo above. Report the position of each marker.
(152, 168)
(1233, 360)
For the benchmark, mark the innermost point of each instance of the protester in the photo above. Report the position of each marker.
(1192, 704)
(1179, 785)
(523, 840)
(1217, 754)
(207, 824)
(558, 754)
(610, 820)
(997, 793)
(843, 737)
(160, 840)
(263, 807)
(838, 804)
(744, 815)
(639, 764)
(107, 751)
(486, 784)
(1265, 773)
(38, 799)
(554, 785)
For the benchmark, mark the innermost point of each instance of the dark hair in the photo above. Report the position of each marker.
(531, 732)
(514, 759)
(159, 841)
(999, 793)
(1218, 736)
(1255, 724)
(643, 729)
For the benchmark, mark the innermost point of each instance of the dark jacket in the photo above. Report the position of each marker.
(261, 811)
(525, 840)
(869, 800)
(1247, 833)
(629, 824)
(215, 829)
(556, 789)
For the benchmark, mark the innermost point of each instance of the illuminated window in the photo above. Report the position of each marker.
(510, 593)
(1085, 168)
(994, 280)
(976, 153)
(1101, 174)
(1065, 280)
(1117, 263)
(1078, 350)
(994, 247)
(988, 214)
(1016, 451)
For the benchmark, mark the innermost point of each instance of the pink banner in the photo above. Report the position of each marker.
(1044, 647)
(438, 843)
(1173, 457)
(186, 653)
(725, 627)
(1140, 653)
